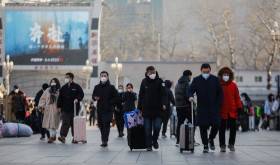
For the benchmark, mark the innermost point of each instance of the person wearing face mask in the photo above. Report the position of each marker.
(107, 97)
(129, 98)
(69, 94)
(229, 109)
(209, 93)
(39, 94)
(118, 113)
(152, 103)
(48, 105)
(18, 103)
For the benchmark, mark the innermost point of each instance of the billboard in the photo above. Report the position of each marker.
(47, 37)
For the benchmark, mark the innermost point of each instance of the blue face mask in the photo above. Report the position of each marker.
(205, 76)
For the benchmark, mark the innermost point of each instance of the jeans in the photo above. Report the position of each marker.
(203, 133)
(52, 132)
(152, 129)
(231, 122)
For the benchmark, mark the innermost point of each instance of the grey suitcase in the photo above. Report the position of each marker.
(187, 135)
(252, 123)
(173, 123)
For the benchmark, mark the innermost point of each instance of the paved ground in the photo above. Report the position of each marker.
(251, 148)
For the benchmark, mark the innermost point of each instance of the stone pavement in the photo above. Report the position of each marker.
(254, 148)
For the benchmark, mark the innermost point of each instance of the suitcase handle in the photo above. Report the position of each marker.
(75, 109)
(192, 112)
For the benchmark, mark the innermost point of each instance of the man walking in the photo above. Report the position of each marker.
(209, 98)
(107, 97)
(152, 102)
(69, 93)
(183, 106)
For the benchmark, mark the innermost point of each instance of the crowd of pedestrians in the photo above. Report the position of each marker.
(218, 107)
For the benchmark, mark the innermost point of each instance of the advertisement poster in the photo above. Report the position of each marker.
(47, 37)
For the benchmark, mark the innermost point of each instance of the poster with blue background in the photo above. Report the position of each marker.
(47, 37)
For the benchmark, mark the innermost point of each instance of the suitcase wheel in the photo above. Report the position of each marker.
(85, 141)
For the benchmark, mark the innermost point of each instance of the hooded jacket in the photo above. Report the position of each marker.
(152, 96)
(231, 100)
(181, 89)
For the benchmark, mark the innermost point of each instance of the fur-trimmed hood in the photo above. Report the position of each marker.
(220, 72)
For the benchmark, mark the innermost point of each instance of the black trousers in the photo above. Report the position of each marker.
(119, 121)
(231, 124)
(92, 118)
(43, 131)
(204, 134)
(182, 113)
(165, 120)
(104, 127)
(20, 115)
(67, 122)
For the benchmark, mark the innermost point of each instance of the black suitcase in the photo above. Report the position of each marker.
(187, 135)
(173, 125)
(136, 138)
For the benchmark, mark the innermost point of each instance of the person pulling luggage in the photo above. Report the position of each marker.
(152, 103)
(209, 98)
(70, 93)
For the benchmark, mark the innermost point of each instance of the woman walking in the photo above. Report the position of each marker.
(48, 104)
(231, 103)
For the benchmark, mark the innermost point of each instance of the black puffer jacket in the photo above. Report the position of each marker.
(129, 101)
(181, 90)
(152, 97)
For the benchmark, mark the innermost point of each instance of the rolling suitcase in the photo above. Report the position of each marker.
(79, 128)
(272, 123)
(173, 123)
(136, 137)
(252, 123)
(187, 135)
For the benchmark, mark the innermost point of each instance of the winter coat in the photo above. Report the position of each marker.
(67, 95)
(129, 101)
(152, 96)
(109, 97)
(209, 99)
(14, 104)
(231, 100)
(181, 90)
(37, 97)
(51, 117)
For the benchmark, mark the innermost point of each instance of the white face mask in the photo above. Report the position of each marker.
(129, 90)
(103, 79)
(225, 78)
(53, 84)
(66, 80)
(16, 90)
(152, 76)
(120, 91)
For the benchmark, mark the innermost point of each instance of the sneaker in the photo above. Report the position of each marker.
(62, 139)
(149, 149)
(74, 141)
(196, 144)
(164, 136)
(104, 144)
(50, 140)
(231, 147)
(205, 149)
(223, 148)
(155, 145)
(177, 144)
(212, 145)
(42, 138)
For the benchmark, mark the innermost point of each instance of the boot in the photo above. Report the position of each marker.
(62, 139)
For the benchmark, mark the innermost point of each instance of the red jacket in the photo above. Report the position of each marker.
(231, 100)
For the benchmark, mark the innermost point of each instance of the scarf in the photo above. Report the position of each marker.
(53, 94)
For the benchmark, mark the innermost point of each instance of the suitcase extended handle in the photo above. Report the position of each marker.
(192, 112)
(75, 109)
